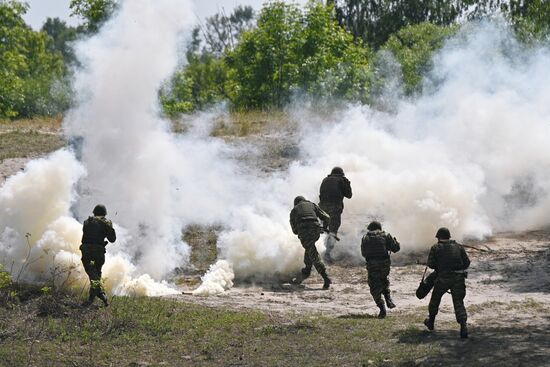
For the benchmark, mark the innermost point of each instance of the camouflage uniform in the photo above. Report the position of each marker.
(376, 246)
(304, 223)
(331, 199)
(449, 259)
(95, 230)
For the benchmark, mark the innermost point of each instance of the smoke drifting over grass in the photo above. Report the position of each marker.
(471, 154)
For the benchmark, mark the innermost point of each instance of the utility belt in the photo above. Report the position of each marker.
(377, 258)
(452, 272)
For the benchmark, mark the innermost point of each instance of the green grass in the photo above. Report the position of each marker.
(150, 331)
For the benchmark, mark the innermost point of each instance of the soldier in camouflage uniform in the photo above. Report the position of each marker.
(450, 261)
(304, 220)
(331, 199)
(94, 232)
(376, 246)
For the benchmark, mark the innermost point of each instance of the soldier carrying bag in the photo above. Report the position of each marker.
(426, 284)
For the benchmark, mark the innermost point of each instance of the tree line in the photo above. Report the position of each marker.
(326, 51)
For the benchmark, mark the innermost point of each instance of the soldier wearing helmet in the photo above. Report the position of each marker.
(376, 246)
(334, 188)
(449, 259)
(94, 231)
(304, 221)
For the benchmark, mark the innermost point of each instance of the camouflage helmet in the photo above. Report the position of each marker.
(443, 233)
(374, 225)
(298, 199)
(100, 210)
(337, 171)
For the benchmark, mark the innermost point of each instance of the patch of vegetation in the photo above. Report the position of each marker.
(19, 143)
(203, 245)
(151, 331)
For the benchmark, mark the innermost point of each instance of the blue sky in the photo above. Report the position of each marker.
(41, 9)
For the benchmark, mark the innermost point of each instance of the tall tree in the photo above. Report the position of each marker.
(28, 67)
(220, 32)
(62, 36)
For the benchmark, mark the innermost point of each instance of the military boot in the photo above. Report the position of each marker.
(103, 297)
(430, 322)
(327, 282)
(382, 307)
(389, 301)
(463, 330)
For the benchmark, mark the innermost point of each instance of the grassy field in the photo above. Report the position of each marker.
(29, 138)
(46, 331)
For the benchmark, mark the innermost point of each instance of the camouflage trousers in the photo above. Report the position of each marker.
(93, 258)
(308, 233)
(457, 285)
(335, 211)
(378, 278)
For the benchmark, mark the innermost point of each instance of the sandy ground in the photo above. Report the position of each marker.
(10, 167)
(508, 301)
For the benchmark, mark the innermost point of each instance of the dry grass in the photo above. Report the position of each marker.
(44, 125)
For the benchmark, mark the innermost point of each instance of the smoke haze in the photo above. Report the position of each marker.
(471, 154)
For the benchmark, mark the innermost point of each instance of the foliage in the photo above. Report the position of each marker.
(294, 51)
(531, 18)
(376, 20)
(29, 69)
(93, 12)
(414, 46)
(5, 278)
(62, 36)
(197, 86)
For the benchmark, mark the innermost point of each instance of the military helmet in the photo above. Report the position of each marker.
(337, 171)
(100, 210)
(374, 225)
(298, 199)
(443, 233)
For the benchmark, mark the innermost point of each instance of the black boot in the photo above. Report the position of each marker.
(103, 297)
(430, 322)
(382, 307)
(327, 283)
(463, 330)
(389, 301)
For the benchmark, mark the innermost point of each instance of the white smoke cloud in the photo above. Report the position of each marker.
(471, 154)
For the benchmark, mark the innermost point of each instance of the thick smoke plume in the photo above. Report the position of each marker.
(470, 154)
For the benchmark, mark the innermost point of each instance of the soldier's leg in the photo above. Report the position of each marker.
(385, 274)
(438, 291)
(335, 220)
(91, 270)
(458, 292)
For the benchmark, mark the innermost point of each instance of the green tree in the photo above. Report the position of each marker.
(62, 36)
(197, 86)
(375, 21)
(93, 12)
(414, 46)
(293, 51)
(29, 70)
(263, 66)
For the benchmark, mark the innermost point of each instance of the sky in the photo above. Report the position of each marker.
(40, 10)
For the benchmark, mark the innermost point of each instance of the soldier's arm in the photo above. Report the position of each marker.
(346, 189)
(293, 223)
(111, 234)
(432, 261)
(465, 258)
(363, 247)
(393, 244)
